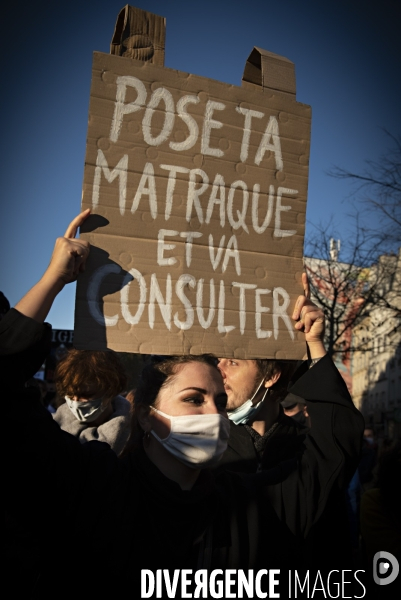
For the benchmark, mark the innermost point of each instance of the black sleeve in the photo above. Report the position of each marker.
(299, 489)
(44, 464)
(24, 345)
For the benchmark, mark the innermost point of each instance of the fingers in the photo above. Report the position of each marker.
(307, 319)
(68, 259)
(304, 307)
(305, 283)
(300, 303)
(75, 223)
(310, 318)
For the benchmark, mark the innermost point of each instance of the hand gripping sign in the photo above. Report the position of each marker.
(198, 196)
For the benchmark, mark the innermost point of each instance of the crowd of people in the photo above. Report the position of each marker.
(199, 468)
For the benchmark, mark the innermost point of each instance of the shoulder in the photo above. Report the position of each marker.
(18, 332)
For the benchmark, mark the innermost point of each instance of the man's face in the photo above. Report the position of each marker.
(241, 379)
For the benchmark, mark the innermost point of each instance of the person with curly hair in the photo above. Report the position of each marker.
(91, 382)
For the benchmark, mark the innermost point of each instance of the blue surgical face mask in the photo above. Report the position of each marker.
(243, 413)
(86, 412)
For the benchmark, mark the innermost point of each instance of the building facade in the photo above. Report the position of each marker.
(365, 335)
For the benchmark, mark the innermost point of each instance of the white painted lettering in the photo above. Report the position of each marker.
(120, 108)
(278, 232)
(240, 214)
(205, 323)
(189, 237)
(189, 121)
(222, 328)
(215, 259)
(261, 334)
(249, 114)
(92, 295)
(270, 141)
(242, 304)
(194, 193)
(155, 295)
(171, 186)
(162, 246)
(183, 281)
(147, 187)
(159, 95)
(208, 124)
(217, 188)
(279, 311)
(119, 171)
(255, 209)
(133, 275)
(232, 252)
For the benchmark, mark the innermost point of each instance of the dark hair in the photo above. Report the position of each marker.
(80, 369)
(157, 374)
(267, 368)
(160, 371)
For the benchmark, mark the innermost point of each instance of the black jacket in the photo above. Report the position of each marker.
(283, 443)
(313, 466)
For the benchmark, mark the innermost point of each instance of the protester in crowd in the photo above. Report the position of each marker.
(257, 422)
(90, 381)
(161, 507)
(263, 435)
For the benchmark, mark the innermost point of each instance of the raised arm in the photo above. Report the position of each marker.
(67, 261)
(319, 467)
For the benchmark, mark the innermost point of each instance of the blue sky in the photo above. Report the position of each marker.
(347, 61)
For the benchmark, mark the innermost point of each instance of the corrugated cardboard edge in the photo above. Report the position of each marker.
(139, 34)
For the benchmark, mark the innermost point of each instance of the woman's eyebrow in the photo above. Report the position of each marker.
(201, 390)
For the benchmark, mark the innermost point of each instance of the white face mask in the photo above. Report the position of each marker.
(198, 441)
(88, 411)
(243, 413)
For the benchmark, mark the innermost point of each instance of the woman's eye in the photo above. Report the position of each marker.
(194, 400)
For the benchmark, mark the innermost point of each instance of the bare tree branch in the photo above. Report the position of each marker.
(378, 191)
(348, 291)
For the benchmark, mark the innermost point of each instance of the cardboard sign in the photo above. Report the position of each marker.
(198, 197)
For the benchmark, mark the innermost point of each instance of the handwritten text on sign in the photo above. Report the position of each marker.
(205, 192)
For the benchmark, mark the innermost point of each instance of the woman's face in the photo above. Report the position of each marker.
(195, 389)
